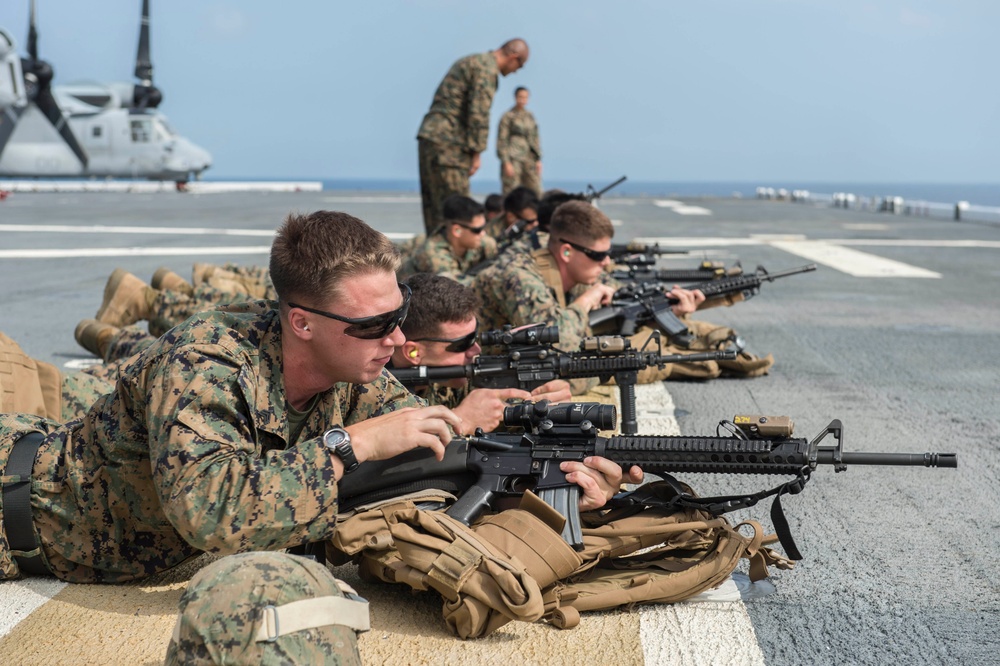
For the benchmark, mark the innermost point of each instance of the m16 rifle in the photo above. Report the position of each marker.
(668, 277)
(507, 463)
(531, 359)
(646, 303)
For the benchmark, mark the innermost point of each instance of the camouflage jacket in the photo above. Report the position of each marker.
(517, 137)
(191, 453)
(460, 112)
(436, 256)
(526, 289)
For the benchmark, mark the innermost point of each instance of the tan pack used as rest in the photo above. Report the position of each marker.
(514, 565)
(27, 385)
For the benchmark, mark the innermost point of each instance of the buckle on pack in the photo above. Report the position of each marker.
(270, 623)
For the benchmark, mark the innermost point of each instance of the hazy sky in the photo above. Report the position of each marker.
(707, 90)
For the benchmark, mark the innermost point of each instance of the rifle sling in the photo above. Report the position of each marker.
(725, 503)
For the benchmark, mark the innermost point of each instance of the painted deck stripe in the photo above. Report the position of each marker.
(681, 208)
(712, 628)
(21, 597)
(853, 262)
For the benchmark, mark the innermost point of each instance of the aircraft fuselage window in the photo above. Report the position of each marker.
(96, 132)
(140, 131)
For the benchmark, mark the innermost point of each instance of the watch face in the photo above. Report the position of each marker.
(334, 437)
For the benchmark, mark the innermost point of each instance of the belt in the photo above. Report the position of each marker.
(17, 504)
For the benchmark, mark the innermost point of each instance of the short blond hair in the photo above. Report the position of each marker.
(579, 221)
(312, 254)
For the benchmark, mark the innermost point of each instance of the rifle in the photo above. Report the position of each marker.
(639, 254)
(531, 360)
(645, 302)
(591, 195)
(706, 271)
(506, 463)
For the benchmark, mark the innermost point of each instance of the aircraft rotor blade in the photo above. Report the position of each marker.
(32, 34)
(143, 64)
(47, 104)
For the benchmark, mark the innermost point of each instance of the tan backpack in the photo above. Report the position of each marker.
(514, 565)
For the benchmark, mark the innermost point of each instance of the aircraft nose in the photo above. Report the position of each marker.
(190, 157)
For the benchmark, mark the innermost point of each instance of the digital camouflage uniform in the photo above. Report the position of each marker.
(170, 308)
(526, 289)
(436, 256)
(190, 453)
(455, 129)
(495, 227)
(518, 145)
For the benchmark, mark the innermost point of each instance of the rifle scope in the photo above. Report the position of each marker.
(537, 334)
(530, 415)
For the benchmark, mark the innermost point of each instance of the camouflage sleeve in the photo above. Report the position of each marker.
(382, 396)
(503, 138)
(534, 141)
(481, 88)
(436, 257)
(216, 486)
(526, 299)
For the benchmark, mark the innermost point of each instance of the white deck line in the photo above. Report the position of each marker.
(712, 628)
(22, 597)
(853, 262)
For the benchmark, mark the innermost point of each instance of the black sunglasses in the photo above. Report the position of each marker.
(594, 255)
(369, 328)
(462, 344)
(475, 230)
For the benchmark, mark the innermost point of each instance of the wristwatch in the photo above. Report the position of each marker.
(338, 441)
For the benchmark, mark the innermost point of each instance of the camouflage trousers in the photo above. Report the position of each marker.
(525, 174)
(444, 170)
(172, 307)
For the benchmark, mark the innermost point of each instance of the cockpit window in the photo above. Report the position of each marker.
(165, 129)
(142, 130)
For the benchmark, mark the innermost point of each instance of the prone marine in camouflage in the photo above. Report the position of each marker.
(532, 288)
(212, 438)
(441, 331)
(457, 246)
(456, 128)
(267, 608)
(518, 147)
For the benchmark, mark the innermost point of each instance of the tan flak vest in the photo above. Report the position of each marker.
(26, 385)
(514, 565)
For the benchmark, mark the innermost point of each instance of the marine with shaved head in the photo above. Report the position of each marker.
(456, 128)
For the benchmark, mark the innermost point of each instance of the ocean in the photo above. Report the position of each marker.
(979, 194)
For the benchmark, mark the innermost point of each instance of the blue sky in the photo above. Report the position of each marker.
(714, 90)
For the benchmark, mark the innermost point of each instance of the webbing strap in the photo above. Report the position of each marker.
(305, 614)
(17, 505)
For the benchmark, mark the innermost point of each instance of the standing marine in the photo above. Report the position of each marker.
(518, 147)
(456, 128)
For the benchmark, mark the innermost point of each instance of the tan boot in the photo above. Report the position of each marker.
(747, 365)
(127, 299)
(94, 336)
(165, 279)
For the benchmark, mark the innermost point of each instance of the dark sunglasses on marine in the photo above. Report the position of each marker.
(594, 255)
(461, 344)
(369, 328)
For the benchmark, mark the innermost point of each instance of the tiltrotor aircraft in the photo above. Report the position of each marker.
(87, 130)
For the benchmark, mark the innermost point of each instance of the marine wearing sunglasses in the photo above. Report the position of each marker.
(369, 328)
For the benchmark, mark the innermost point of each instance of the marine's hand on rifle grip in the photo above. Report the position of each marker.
(688, 300)
(596, 296)
(599, 479)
